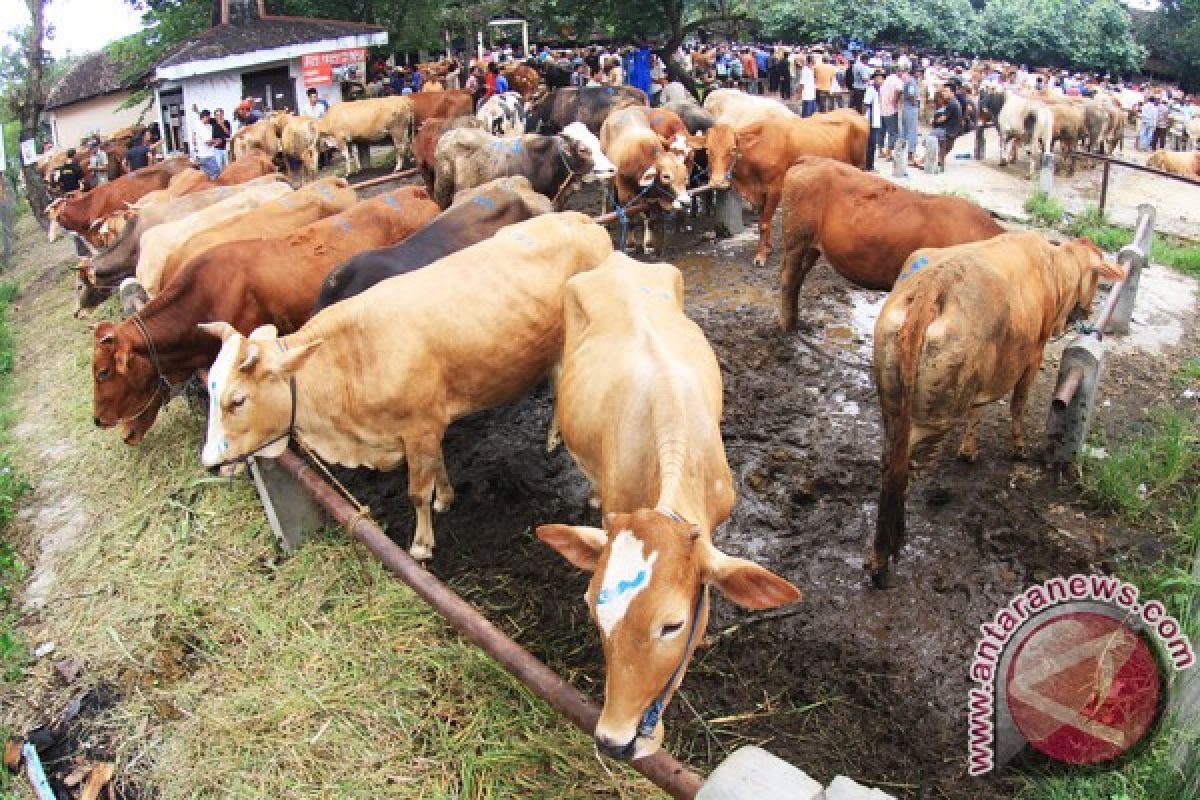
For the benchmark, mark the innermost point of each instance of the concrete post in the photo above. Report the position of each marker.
(1046, 175)
(931, 155)
(729, 213)
(1067, 426)
(133, 296)
(752, 772)
(900, 159)
(290, 510)
(1134, 259)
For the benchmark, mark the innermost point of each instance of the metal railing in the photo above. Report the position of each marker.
(1109, 161)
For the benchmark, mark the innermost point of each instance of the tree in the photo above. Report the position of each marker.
(1172, 33)
(29, 99)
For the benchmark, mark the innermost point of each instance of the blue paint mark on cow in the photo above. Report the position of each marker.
(623, 587)
(485, 201)
(522, 239)
(913, 267)
(344, 226)
(391, 201)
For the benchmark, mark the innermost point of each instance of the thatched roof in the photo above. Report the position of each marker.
(267, 33)
(96, 74)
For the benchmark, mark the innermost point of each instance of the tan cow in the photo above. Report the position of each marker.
(1185, 163)
(639, 406)
(359, 392)
(158, 243)
(369, 121)
(185, 183)
(282, 215)
(963, 327)
(299, 139)
(647, 166)
(735, 107)
(262, 136)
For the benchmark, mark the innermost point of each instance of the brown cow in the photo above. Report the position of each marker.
(252, 165)
(425, 144)
(965, 326)
(639, 406)
(272, 281)
(1187, 164)
(645, 167)
(758, 156)
(186, 182)
(671, 128)
(261, 136)
(299, 138)
(315, 201)
(78, 212)
(864, 225)
(446, 105)
(523, 79)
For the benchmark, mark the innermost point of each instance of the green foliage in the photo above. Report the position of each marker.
(1180, 255)
(13, 655)
(1172, 33)
(1134, 479)
(1092, 34)
(165, 24)
(1044, 209)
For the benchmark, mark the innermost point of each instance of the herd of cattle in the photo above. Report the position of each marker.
(362, 328)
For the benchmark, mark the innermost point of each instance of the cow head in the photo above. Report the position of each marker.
(721, 143)
(251, 394)
(1079, 267)
(648, 597)
(669, 174)
(602, 168)
(90, 295)
(125, 387)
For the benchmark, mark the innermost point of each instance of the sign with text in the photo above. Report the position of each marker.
(318, 67)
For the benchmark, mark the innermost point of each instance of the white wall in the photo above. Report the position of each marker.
(70, 124)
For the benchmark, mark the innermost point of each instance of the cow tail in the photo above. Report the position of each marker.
(910, 341)
(1031, 120)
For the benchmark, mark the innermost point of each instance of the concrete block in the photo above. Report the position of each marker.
(843, 788)
(291, 512)
(900, 159)
(729, 213)
(752, 773)
(1067, 428)
(1046, 176)
(931, 156)
(133, 296)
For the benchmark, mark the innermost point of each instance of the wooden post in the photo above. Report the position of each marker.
(1104, 185)
(979, 143)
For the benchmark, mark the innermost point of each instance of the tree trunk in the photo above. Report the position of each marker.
(31, 109)
(673, 11)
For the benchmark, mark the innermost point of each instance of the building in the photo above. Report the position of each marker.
(89, 99)
(248, 53)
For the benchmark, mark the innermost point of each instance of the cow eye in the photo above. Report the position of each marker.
(103, 374)
(237, 403)
(670, 630)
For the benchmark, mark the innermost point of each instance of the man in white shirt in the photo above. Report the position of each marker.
(206, 151)
(872, 108)
(808, 88)
(315, 107)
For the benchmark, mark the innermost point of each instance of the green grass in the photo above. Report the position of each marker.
(1180, 255)
(1044, 209)
(1150, 480)
(13, 652)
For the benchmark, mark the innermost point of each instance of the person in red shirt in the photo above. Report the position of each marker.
(492, 72)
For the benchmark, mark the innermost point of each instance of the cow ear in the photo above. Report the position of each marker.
(220, 330)
(251, 358)
(293, 359)
(578, 544)
(1109, 271)
(744, 582)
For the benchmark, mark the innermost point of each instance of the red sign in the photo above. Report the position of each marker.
(318, 67)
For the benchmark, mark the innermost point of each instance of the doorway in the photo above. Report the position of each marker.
(274, 89)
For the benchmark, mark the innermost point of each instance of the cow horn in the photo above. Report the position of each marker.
(221, 330)
(108, 338)
(251, 357)
(52, 233)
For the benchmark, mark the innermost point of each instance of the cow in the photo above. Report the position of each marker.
(523, 80)
(481, 327)
(670, 127)
(1185, 163)
(300, 138)
(1024, 119)
(589, 105)
(1070, 128)
(755, 158)
(441, 105)
(424, 144)
(276, 217)
(100, 274)
(675, 93)
(261, 136)
(963, 327)
(638, 403)
(555, 165)
(475, 215)
(503, 114)
(865, 226)
(735, 107)
(646, 167)
(77, 212)
(272, 281)
(186, 182)
(697, 120)
(159, 242)
(254, 164)
(369, 121)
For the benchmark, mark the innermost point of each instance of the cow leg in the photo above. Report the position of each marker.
(424, 463)
(770, 203)
(1019, 396)
(968, 449)
(647, 234)
(797, 262)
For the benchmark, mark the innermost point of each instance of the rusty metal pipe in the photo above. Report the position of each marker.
(611, 216)
(1065, 393)
(395, 176)
(662, 769)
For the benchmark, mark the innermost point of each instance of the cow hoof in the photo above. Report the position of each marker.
(968, 456)
(420, 552)
(760, 261)
(883, 577)
(442, 502)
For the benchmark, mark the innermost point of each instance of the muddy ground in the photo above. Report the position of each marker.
(851, 680)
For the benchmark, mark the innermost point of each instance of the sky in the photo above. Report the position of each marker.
(80, 25)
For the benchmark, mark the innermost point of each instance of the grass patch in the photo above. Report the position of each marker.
(1180, 255)
(1044, 209)
(239, 672)
(13, 651)
(962, 195)
(1152, 480)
